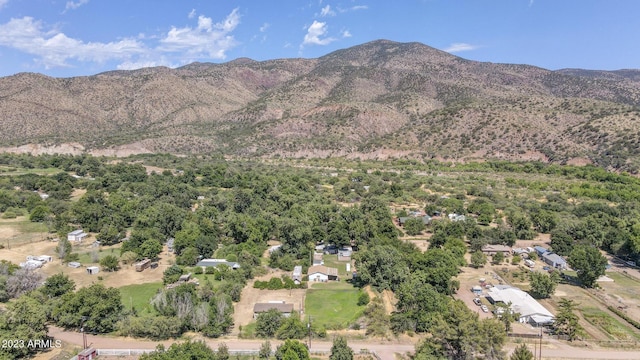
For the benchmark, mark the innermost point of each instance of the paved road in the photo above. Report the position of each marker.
(552, 349)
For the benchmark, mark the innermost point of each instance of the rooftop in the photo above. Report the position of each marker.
(323, 270)
(264, 307)
(521, 302)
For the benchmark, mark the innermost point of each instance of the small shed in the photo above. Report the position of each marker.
(91, 270)
(74, 264)
(185, 277)
(88, 354)
(45, 258)
(477, 290)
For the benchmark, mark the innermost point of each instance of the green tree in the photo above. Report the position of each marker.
(110, 235)
(542, 285)
(182, 351)
(478, 259)
(57, 285)
(544, 221)
(39, 213)
(588, 262)
(265, 351)
(414, 226)
(340, 350)
(150, 249)
(561, 242)
(299, 349)
(521, 353)
(566, 322)
(382, 266)
(24, 319)
(291, 328)
(97, 307)
(110, 263)
(498, 258)
(268, 323)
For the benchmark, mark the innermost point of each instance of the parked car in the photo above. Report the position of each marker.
(484, 308)
(477, 301)
(546, 268)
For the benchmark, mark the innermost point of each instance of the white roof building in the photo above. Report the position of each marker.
(522, 303)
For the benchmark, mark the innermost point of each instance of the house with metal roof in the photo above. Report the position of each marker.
(529, 310)
(285, 309)
(554, 260)
(218, 262)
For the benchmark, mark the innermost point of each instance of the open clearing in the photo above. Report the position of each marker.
(333, 305)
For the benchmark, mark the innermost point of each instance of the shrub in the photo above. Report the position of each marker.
(363, 298)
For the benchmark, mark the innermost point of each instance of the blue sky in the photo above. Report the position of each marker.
(83, 37)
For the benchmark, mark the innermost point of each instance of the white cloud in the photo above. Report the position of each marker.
(208, 39)
(192, 14)
(55, 48)
(74, 5)
(326, 11)
(458, 47)
(346, 34)
(315, 32)
(3, 3)
(353, 8)
(50, 47)
(264, 27)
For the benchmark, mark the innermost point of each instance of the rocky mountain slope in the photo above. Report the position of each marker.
(378, 99)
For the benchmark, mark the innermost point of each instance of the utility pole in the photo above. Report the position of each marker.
(309, 328)
(540, 352)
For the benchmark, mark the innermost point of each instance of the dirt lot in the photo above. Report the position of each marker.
(243, 311)
(125, 276)
(469, 277)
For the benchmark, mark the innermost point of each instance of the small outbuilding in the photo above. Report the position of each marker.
(88, 354)
(554, 260)
(285, 309)
(92, 270)
(74, 264)
(297, 274)
(77, 236)
(141, 265)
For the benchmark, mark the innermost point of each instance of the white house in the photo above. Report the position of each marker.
(529, 310)
(322, 273)
(77, 235)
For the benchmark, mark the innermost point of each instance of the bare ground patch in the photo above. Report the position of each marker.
(243, 311)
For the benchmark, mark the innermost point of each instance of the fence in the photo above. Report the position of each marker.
(128, 352)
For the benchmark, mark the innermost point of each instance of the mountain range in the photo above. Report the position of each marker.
(376, 100)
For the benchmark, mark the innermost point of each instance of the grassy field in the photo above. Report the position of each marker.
(608, 324)
(19, 231)
(86, 257)
(333, 305)
(139, 296)
(332, 261)
(12, 170)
